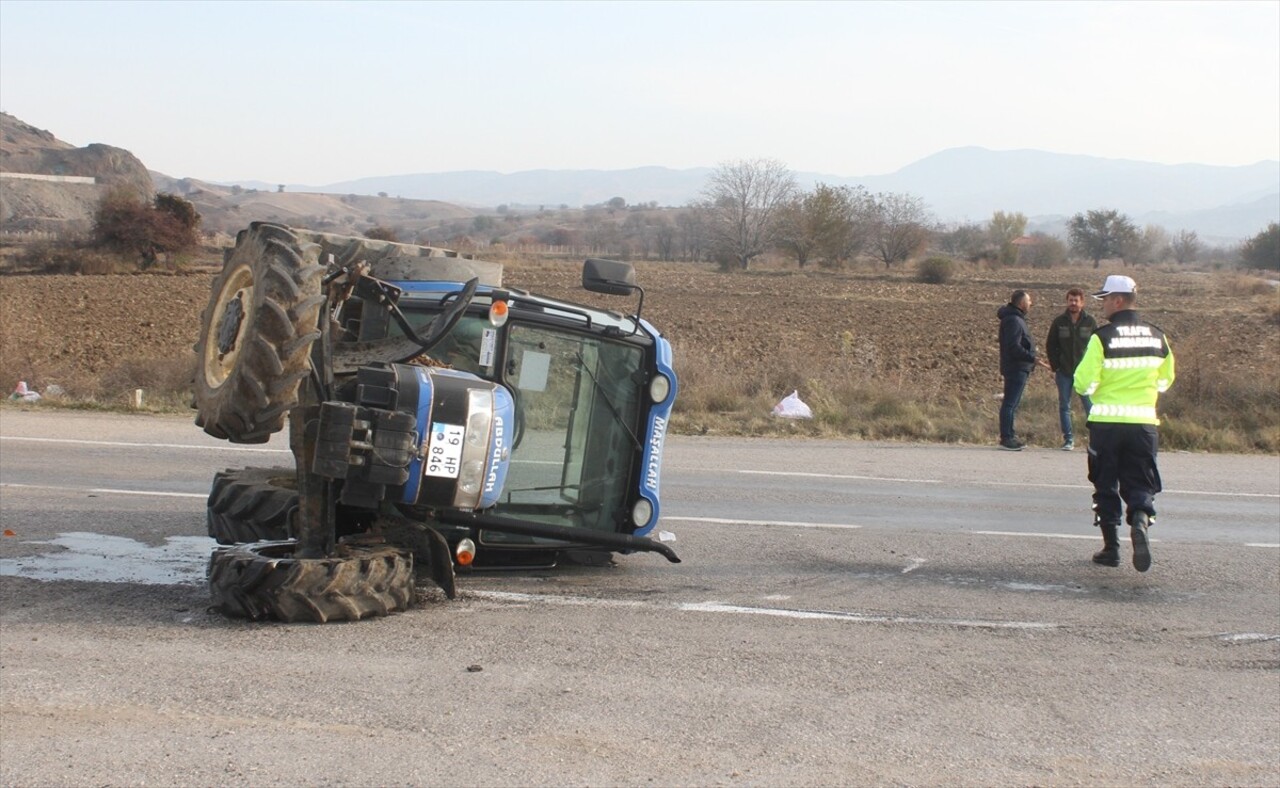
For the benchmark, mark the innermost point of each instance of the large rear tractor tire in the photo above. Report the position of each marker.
(252, 504)
(264, 580)
(256, 334)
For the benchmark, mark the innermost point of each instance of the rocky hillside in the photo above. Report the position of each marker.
(43, 205)
(55, 206)
(228, 209)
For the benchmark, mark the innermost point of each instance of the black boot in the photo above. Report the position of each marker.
(1109, 555)
(1141, 545)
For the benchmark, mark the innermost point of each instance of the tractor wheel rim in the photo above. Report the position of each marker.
(226, 335)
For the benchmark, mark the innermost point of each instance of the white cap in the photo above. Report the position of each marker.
(1117, 283)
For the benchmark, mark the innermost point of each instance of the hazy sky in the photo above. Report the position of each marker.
(319, 92)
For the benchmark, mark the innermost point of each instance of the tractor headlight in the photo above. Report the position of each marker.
(470, 477)
(641, 512)
(659, 387)
(475, 448)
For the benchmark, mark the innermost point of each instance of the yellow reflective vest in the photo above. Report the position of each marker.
(1126, 366)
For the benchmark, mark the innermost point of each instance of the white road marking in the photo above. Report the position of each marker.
(1046, 536)
(514, 596)
(735, 521)
(904, 480)
(1262, 544)
(1046, 485)
(1029, 533)
(720, 607)
(859, 618)
(915, 564)
(145, 445)
(843, 476)
(801, 474)
(1227, 494)
(107, 491)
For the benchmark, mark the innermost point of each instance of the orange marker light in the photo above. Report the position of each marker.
(465, 552)
(498, 312)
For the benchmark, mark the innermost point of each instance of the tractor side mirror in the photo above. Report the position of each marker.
(609, 277)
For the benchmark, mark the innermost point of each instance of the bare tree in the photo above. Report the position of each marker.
(795, 235)
(900, 226)
(964, 239)
(864, 220)
(1045, 251)
(743, 200)
(664, 237)
(1186, 247)
(635, 229)
(1149, 246)
(692, 227)
(829, 222)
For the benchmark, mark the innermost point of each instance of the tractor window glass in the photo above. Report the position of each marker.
(578, 413)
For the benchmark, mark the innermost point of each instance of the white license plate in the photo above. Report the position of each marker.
(444, 450)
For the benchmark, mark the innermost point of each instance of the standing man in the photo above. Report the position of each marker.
(1068, 337)
(1017, 359)
(1127, 365)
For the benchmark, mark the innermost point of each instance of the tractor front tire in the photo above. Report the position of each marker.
(252, 504)
(256, 334)
(264, 580)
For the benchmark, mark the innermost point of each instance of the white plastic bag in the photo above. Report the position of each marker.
(792, 407)
(21, 392)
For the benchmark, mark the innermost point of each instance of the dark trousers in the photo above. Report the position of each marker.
(1015, 383)
(1122, 465)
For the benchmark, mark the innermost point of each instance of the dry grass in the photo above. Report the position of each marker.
(1240, 285)
(875, 354)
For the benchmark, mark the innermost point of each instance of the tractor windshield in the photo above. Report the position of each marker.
(577, 410)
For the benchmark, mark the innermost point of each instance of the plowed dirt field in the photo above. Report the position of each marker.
(760, 331)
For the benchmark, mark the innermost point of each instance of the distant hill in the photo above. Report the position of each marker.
(959, 184)
(535, 188)
(1222, 204)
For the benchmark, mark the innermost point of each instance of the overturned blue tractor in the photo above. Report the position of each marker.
(438, 420)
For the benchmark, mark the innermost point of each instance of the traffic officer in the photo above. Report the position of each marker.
(1126, 366)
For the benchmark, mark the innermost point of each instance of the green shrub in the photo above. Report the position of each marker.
(935, 270)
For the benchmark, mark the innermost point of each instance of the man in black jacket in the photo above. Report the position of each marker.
(1017, 359)
(1068, 337)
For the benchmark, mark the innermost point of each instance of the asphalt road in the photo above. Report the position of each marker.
(846, 613)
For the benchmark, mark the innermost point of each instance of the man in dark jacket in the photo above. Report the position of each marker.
(1017, 359)
(1068, 337)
